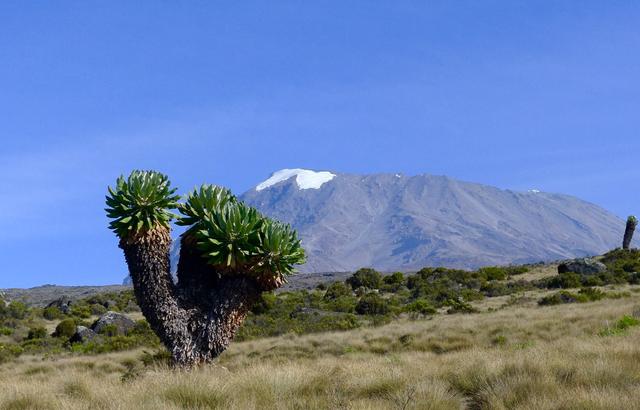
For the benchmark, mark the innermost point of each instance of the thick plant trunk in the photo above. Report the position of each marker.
(197, 321)
(628, 233)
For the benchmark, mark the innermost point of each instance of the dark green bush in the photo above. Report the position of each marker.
(565, 280)
(37, 333)
(397, 278)
(585, 295)
(493, 273)
(421, 306)
(459, 306)
(80, 310)
(17, 310)
(109, 330)
(266, 302)
(372, 304)
(365, 277)
(345, 304)
(52, 313)
(558, 298)
(97, 309)
(337, 290)
(9, 352)
(65, 329)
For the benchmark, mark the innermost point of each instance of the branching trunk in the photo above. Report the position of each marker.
(196, 320)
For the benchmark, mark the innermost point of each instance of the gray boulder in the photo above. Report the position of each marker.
(122, 323)
(582, 266)
(62, 303)
(83, 335)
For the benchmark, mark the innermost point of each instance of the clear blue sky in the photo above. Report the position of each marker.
(517, 94)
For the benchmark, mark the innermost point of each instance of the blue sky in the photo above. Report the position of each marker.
(517, 94)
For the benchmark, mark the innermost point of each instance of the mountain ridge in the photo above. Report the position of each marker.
(393, 221)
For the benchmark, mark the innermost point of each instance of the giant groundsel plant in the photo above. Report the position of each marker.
(229, 255)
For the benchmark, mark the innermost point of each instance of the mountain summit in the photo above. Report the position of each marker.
(392, 221)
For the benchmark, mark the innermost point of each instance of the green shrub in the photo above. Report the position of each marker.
(562, 297)
(365, 277)
(459, 306)
(6, 331)
(397, 278)
(9, 352)
(421, 306)
(345, 304)
(337, 290)
(620, 326)
(516, 270)
(592, 294)
(37, 333)
(66, 328)
(266, 302)
(52, 313)
(81, 311)
(143, 330)
(565, 280)
(493, 273)
(372, 304)
(558, 298)
(109, 330)
(97, 309)
(17, 310)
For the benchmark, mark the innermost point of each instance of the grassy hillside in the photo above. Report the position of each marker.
(516, 337)
(528, 357)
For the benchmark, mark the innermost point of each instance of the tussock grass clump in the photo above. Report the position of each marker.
(193, 397)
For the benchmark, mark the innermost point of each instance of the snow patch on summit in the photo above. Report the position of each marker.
(305, 178)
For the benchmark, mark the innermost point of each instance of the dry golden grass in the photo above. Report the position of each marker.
(519, 357)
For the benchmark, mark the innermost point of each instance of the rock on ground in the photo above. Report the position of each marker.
(83, 335)
(122, 323)
(582, 266)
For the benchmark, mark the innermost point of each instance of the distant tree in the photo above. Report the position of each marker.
(365, 277)
(396, 278)
(336, 290)
(372, 304)
(632, 222)
(229, 255)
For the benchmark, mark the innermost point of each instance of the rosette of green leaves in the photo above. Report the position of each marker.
(234, 237)
(202, 203)
(280, 249)
(140, 202)
(229, 237)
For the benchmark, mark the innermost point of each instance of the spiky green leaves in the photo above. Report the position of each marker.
(236, 238)
(632, 220)
(140, 202)
(203, 202)
(280, 248)
(229, 236)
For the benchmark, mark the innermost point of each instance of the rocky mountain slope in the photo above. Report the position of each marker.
(392, 221)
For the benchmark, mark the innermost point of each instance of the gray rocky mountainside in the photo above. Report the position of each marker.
(391, 222)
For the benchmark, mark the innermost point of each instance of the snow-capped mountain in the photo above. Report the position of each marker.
(392, 221)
